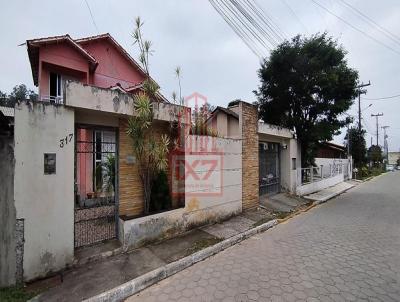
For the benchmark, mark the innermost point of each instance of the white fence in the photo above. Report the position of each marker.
(327, 172)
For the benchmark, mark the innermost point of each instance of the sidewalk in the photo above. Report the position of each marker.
(328, 193)
(99, 276)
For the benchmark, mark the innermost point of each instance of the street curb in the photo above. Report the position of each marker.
(325, 199)
(133, 286)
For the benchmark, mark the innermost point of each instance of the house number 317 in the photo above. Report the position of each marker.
(66, 140)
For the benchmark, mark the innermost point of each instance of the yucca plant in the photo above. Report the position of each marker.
(151, 151)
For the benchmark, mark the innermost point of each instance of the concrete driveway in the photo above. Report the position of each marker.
(345, 250)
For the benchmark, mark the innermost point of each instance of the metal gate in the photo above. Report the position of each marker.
(269, 170)
(95, 185)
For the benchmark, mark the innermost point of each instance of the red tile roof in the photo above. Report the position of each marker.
(34, 44)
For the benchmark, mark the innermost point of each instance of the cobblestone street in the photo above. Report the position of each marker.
(345, 250)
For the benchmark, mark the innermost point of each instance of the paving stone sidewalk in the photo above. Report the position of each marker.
(96, 277)
(328, 193)
(345, 250)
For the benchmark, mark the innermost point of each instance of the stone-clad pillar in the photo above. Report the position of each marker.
(248, 125)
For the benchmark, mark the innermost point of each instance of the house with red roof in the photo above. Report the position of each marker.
(75, 172)
(75, 179)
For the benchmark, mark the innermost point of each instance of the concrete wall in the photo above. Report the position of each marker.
(393, 157)
(319, 185)
(222, 124)
(7, 213)
(274, 130)
(283, 136)
(82, 96)
(216, 198)
(328, 163)
(45, 202)
(233, 127)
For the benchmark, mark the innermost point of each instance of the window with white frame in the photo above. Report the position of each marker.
(55, 85)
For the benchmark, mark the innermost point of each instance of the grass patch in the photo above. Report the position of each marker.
(202, 244)
(281, 215)
(262, 221)
(15, 294)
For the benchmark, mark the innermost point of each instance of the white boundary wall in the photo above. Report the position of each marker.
(332, 162)
(319, 185)
(44, 202)
(200, 208)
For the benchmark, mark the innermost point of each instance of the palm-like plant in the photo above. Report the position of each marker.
(151, 151)
(108, 169)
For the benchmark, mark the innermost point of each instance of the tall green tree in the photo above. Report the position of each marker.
(306, 86)
(375, 155)
(355, 141)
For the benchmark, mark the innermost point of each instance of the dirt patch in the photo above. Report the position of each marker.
(202, 244)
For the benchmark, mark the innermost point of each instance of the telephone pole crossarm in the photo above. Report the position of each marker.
(359, 101)
(377, 126)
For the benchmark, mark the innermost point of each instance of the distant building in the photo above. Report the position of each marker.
(331, 150)
(393, 157)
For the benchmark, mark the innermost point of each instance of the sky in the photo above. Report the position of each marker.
(214, 61)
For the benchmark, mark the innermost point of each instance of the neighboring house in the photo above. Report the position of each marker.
(279, 157)
(393, 157)
(224, 121)
(332, 166)
(331, 150)
(278, 154)
(62, 194)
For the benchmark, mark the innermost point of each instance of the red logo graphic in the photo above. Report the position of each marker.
(197, 165)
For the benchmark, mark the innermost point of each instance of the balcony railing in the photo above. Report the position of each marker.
(52, 99)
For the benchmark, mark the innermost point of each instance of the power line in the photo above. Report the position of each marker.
(294, 14)
(355, 28)
(244, 26)
(234, 26)
(252, 22)
(279, 30)
(91, 16)
(272, 31)
(247, 19)
(383, 98)
(369, 20)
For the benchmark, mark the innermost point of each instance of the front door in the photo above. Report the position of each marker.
(269, 171)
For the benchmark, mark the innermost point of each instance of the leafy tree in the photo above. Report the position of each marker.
(398, 161)
(358, 146)
(375, 155)
(306, 86)
(22, 93)
(231, 103)
(3, 98)
(19, 93)
(151, 151)
(199, 123)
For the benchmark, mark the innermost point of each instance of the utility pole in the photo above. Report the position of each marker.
(385, 144)
(360, 92)
(377, 126)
